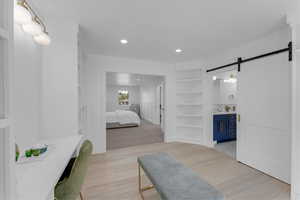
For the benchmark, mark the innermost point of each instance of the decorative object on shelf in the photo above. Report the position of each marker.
(39, 149)
(44, 149)
(233, 108)
(28, 153)
(31, 22)
(36, 153)
(227, 108)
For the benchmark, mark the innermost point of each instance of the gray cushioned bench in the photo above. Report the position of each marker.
(173, 181)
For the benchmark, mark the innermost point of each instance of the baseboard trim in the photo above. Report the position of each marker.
(185, 140)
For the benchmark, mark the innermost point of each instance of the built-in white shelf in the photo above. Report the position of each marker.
(188, 70)
(188, 80)
(189, 74)
(189, 93)
(190, 116)
(3, 34)
(189, 104)
(189, 126)
(189, 99)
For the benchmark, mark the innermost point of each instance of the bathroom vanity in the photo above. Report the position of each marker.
(224, 127)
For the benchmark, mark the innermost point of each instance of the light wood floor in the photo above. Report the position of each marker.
(113, 175)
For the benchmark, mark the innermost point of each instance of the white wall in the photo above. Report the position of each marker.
(44, 85)
(95, 90)
(25, 88)
(112, 103)
(59, 98)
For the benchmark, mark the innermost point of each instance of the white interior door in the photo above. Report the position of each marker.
(162, 107)
(264, 101)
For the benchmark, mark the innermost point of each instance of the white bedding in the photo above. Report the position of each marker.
(123, 117)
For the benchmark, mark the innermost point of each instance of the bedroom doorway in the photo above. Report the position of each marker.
(134, 109)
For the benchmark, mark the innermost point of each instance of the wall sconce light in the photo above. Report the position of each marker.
(32, 28)
(22, 15)
(31, 23)
(42, 39)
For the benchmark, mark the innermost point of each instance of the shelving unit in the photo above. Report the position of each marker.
(189, 116)
(189, 93)
(7, 150)
(189, 102)
(189, 126)
(189, 80)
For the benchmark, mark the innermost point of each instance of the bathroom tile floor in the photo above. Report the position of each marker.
(229, 148)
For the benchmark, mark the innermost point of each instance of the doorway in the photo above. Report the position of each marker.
(162, 106)
(224, 112)
(134, 109)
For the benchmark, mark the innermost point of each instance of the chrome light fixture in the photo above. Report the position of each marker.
(31, 22)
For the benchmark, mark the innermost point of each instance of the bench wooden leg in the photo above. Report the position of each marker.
(141, 188)
(81, 196)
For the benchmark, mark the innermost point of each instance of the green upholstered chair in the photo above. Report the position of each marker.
(70, 186)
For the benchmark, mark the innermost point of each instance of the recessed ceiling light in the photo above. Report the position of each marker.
(178, 50)
(124, 41)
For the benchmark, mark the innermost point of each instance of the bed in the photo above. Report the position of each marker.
(122, 119)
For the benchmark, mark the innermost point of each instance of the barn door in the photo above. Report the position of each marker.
(264, 103)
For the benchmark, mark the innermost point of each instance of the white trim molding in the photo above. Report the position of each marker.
(294, 21)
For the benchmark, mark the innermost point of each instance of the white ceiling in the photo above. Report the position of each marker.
(155, 28)
(128, 79)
